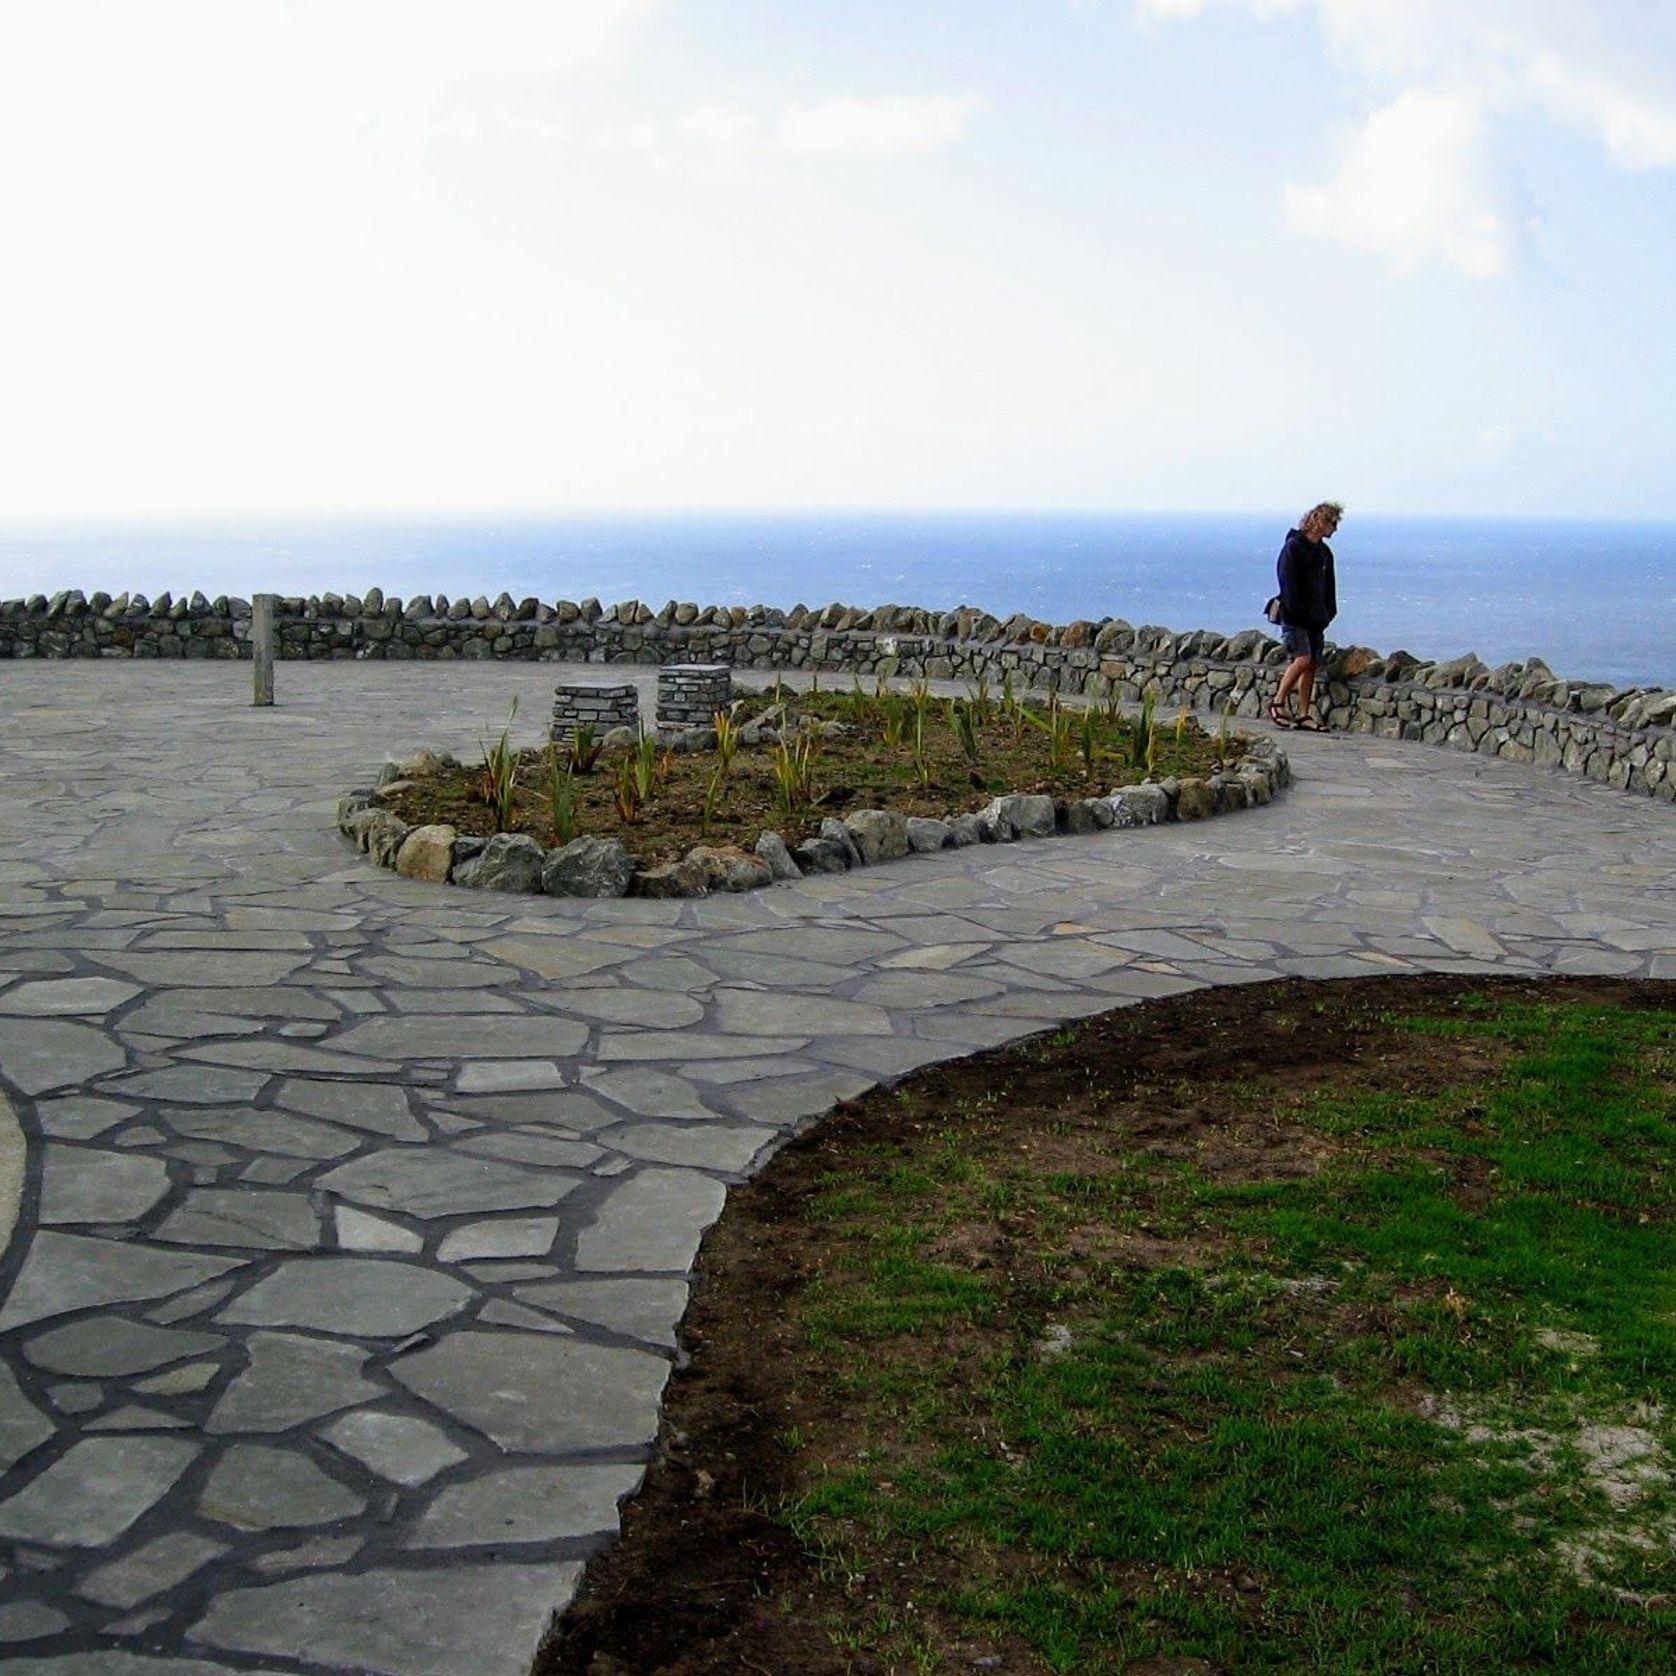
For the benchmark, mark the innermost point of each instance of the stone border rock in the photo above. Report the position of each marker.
(1523, 712)
(596, 867)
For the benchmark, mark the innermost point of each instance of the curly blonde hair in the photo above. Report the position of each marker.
(1321, 512)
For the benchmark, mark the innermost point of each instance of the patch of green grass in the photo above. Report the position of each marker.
(1340, 1434)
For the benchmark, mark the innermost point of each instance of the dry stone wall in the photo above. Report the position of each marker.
(1520, 711)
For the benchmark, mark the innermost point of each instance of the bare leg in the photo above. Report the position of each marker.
(1299, 673)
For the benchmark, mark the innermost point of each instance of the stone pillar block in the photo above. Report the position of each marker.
(690, 694)
(601, 705)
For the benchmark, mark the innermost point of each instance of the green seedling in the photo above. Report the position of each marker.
(499, 781)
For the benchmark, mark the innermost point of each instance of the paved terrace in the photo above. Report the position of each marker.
(357, 1214)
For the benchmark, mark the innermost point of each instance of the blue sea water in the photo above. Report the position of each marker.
(1596, 600)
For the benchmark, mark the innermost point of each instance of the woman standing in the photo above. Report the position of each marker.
(1308, 603)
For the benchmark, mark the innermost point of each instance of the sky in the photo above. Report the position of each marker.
(300, 256)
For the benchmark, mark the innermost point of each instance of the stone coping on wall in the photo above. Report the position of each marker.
(1519, 711)
(599, 867)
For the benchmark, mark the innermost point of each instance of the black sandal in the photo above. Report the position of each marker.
(1309, 724)
(1280, 718)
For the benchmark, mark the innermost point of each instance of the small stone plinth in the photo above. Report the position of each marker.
(599, 705)
(690, 694)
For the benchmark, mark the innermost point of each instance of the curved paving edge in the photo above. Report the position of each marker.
(360, 1215)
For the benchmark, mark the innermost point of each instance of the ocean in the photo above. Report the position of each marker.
(1596, 600)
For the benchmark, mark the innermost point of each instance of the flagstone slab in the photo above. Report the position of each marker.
(886, 1057)
(178, 1381)
(156, 1566)
(517, 1036)
(649, 1092)
(139, 1417)
(368, 1297)
(726, 1072)
(164, 1020)
(751, 1012)
(80, 1117)
(527, 1504)
(706, 1146)
(290, 1059)
(239, 1004)
(244, 1217)
(627, 1006)
(553, 956)
(252, 1130)
(38, 1054)
(359, 1231)
(95, 1491)
(689, 1047)
(500, 1237)
(81, 1185)
(645, 1309)
(291, 1378)
(67, 996)
(510, 1076)
(23, 1427)
(378, 1108)
(972, 1030)
(1071, 958)
(652, 1221)
(426, 1622)
(925, 989)
(423, 1182)
(398, 1447)
(670, 974)
(104, 1346)
(550, 1151)
(219, 937)
(735, 964)
(791, 1099)
(407, 973)
(255, 1487)
(29, 1620)
(453, 1002)
(845, 945)
(65, 1272)
(564, 1109)
(209, 969)
(192, 1085)
(538, 1394)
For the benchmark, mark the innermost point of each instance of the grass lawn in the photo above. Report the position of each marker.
(1290, 1328)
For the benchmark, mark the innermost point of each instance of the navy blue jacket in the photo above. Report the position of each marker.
(1308, 592)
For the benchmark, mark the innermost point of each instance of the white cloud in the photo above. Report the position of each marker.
(1638, 132)
(886, 126)
(1170, 8)
(877, 127)
(1497, 442)
(724, 128)
(1444, 77)
(1414, 183)
(1169, 11)
(627, 136)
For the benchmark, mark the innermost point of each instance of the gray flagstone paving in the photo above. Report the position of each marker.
(355, 1216)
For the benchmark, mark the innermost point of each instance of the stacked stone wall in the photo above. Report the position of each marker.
(1521, 711)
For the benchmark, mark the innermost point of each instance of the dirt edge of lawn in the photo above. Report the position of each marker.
(704, 1579)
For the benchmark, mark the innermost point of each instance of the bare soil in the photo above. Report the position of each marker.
(704, 1579)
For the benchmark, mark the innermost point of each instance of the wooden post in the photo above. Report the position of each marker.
(262, 645)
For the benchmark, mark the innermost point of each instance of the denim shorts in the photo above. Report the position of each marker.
(1303, 642)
